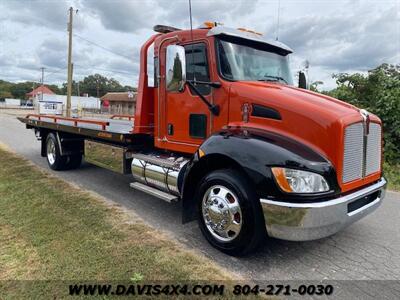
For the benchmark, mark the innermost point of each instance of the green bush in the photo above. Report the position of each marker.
(392, 174)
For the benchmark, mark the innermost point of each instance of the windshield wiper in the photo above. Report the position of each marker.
(273, 78)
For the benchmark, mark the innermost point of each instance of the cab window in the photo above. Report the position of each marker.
(197, 66)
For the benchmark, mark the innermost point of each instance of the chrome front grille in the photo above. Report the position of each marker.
(362, 153)
(373, 155)
(353, 152)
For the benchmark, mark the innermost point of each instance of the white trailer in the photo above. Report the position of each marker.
(76, 101)
(50, 108)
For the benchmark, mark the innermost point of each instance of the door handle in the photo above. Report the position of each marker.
(170, 129)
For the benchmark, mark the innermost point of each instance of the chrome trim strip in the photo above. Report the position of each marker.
(175, 37)
(381, 183)
(154, 192)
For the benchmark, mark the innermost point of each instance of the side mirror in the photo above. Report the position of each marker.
(175, 68)
(302, 80)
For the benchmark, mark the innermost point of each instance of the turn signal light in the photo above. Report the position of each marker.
(201, 153)
(280, 177)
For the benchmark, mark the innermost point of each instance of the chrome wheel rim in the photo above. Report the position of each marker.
(51, 151)
(221, 213)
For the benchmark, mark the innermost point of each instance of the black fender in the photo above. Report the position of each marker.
(254, 152)
(69, 143)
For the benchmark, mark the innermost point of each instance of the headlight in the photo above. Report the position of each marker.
(296, 181)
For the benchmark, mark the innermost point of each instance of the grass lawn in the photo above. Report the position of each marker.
(51, 230)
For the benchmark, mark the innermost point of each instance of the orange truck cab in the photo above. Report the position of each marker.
(225, 131)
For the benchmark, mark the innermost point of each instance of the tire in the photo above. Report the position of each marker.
(54, 159)
(227, 196)
(74, 161)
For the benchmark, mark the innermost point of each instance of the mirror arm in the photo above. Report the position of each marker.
(212, 107)
(214, 84)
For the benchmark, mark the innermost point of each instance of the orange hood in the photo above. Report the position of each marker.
(313, 119)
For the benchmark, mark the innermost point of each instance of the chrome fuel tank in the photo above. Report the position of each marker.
(159, 172)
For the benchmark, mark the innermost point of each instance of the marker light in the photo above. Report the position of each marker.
(297, 181)
(248, 30)
(201, 153)
(210, 24)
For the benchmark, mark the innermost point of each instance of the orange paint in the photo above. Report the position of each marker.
(315, 120)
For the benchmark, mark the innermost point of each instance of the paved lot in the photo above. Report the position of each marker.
(369, 249)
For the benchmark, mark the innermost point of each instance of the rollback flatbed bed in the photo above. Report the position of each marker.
(111, 129)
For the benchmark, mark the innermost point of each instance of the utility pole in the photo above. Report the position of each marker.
(42, 80)
(69, 78)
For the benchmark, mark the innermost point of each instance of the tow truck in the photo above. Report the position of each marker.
(225, 131)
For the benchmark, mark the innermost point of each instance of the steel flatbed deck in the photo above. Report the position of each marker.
(112, 129)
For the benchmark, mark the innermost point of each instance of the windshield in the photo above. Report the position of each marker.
(238, 61)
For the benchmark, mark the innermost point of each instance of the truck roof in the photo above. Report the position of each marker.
(241, 33)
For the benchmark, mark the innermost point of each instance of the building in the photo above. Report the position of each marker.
(122, 103)
(36, 95)
(56, 104)
(12, 102)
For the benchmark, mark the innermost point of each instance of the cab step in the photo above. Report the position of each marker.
(154, 192)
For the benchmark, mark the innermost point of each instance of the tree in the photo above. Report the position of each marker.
(5, 89)
(63, 90)
(314, 85)
(19, 90)
(54, 88)
(96, 85)
(5, 94)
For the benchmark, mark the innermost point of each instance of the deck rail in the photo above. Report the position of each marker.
(76, 121)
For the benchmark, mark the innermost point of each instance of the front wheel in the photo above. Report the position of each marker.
(230, 215)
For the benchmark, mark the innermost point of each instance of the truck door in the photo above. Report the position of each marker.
(187, 117)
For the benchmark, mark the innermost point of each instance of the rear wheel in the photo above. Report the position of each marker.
(230, 215)
(53, 155)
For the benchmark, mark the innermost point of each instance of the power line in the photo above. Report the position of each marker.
(107, 70)
(93, 68)
(102, 47)
(55, 72)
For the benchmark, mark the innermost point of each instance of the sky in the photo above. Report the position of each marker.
(332, 35)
